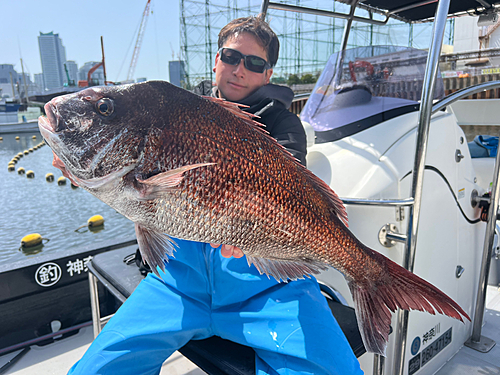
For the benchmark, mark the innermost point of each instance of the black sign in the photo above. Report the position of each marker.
(429, 352)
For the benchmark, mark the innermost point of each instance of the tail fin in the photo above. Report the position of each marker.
(400, 288)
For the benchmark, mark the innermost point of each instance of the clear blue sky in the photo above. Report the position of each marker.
(80, 25)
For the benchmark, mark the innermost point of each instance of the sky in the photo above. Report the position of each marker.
(80, 25)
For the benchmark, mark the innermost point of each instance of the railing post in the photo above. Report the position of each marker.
(424, 119)
(478, 342)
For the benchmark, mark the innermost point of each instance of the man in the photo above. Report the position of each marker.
(204, 291)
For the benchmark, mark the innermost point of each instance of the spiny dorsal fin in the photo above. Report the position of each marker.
(235, 109)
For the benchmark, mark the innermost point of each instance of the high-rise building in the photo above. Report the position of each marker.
(6, 72)
(72, 70)
(53, 57)
(39, 82)
(177, 74)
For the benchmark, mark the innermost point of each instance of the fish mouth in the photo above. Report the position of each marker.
(45, 125)
(54, 119)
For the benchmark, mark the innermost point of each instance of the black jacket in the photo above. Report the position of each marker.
(271, 103)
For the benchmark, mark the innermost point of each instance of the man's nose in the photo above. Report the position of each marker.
(239, 69)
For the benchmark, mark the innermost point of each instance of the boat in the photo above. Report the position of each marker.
(382, 134)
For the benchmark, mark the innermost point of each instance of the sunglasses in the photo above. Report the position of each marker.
(253, 63)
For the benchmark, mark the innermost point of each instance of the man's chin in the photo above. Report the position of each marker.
(232, 94)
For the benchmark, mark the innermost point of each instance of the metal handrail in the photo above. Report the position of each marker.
(476, 341)
(320, 12)
(424, 120)
(379, 202)
(464, 93)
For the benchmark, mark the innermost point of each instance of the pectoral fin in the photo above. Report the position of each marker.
(157, 185)
(154, 246)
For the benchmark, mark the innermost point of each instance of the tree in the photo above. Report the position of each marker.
(308, 78)
(293, 79)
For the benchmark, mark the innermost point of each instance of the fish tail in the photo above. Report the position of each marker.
(374, 301)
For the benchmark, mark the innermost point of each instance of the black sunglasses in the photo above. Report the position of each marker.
(253, 63)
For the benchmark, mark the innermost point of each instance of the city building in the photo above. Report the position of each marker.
(177, 74)
(39, 82)
(6, 72)
(53, 58)
(72, 70)
(97, 76)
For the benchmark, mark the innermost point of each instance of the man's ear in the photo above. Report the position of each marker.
(268, 73)
(216, 61)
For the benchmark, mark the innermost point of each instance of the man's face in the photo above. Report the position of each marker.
(235, 82)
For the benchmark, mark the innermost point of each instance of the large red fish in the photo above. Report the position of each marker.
(196, 168)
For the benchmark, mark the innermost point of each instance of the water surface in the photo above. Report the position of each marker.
(37, 206)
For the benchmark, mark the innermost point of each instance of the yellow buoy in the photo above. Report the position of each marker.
(17, 138)
(30, 174)
(11, 168)
(95, 221)
(49, 177)
(26, 152)
(61, 180)
(12, 162)
(31, 149)
(32, 239)
(20, 170)
(1, 139)
(20, 154)
(74, 186)
(34, 137)
(95, 224)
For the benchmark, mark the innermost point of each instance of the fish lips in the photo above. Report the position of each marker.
(53, 117)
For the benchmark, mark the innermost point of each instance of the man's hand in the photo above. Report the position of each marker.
(228, 251)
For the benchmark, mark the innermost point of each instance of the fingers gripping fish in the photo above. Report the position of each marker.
(201, 169)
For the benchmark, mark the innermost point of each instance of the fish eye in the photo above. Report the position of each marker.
(105, 107)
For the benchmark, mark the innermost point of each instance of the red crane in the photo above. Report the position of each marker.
(138, 42)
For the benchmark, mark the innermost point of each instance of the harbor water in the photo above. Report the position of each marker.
(33, 205)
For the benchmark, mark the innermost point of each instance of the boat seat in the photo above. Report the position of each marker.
(213, 355)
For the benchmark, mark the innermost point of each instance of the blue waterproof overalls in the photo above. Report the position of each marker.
(202, 294)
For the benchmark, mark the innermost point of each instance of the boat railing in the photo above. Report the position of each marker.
(425, 113)
(463, 93)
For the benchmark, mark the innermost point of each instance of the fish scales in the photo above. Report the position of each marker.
(200, 169)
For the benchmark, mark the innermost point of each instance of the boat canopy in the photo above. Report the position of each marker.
(424, 10)
(376, 84)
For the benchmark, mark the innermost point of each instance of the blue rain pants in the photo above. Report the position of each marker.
(202, 294)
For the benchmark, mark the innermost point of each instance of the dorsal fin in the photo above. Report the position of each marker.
(234, 108)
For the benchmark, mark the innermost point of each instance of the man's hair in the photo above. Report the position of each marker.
(257, 27)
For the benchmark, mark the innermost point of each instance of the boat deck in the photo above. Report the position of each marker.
(471, 362)
(57, 358)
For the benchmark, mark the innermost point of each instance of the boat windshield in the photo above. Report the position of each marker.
(375, 84)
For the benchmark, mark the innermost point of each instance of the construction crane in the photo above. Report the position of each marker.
(138, 42)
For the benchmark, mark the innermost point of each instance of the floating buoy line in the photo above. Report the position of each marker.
(33, 243)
